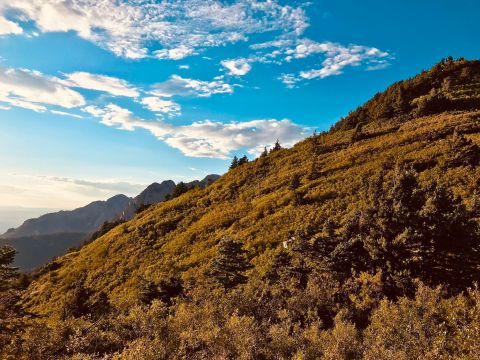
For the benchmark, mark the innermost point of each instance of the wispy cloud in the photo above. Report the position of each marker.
(179, 86)
(336, 57)
(63, 113)
(111, 85)
(33, 90)
(180, 28)
(207, 138)
(104, 185)
(161, 106)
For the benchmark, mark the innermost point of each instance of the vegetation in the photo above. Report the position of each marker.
(359, 243)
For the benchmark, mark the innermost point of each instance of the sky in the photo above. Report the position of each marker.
(100, 97)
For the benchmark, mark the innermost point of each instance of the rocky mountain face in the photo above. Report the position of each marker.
(154, 193)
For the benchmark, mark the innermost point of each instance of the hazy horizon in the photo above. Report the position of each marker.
(14, 216)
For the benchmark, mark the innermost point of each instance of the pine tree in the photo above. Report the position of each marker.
(7, 272)
(180, 189)
(462, 151)
(77, 300)
(313, 174)
(242, 160)
(295, 182)
(264, 153)
(316, 145)
(276, 147)
(229, 266)
(234, 163)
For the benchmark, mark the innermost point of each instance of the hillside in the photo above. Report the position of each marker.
(449, 85)
(331, 249)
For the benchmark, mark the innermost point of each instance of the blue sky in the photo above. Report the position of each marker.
(104, 97)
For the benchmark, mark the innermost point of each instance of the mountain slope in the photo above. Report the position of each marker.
(82, 220)
(324, 179)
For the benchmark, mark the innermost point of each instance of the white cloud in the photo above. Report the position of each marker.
(336, 57)
(2, 107)
(184, 66)
(112, 85)
(33, 90)
(207, 138)
(289, 80)
(162, 106)
(177, 85)
(237, 67)
(9, 27)
(278, 43)
(380, 65)
(178, 53)
(180, 27)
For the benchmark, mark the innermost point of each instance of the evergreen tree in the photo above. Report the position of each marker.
(147, 291)
(462, 151)
(313, 173)
(264, 152)
(234, 163)
(242, 160)
(76, 302)
(180, 189)
(295, 182)
(316, 144)
(8, 273)
(409, 233)
(229, 266)
(276, 147)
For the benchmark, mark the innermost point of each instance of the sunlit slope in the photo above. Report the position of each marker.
(262, 203)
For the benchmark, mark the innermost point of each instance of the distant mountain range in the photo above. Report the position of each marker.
(39, 240)
(13, 216)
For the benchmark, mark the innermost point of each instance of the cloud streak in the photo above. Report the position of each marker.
(207, 138)
(33, 90)
(108, 84)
